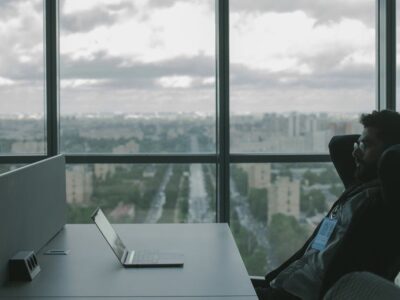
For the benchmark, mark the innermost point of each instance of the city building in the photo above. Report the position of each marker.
(101, 171)
(284, 198)
(79, 184)
(259, 175)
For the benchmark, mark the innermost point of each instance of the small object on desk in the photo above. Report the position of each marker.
(23, 266)
(56, 252)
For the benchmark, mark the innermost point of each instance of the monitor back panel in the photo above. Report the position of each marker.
(32, 208)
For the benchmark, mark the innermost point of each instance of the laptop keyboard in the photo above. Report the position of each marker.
(145, 257)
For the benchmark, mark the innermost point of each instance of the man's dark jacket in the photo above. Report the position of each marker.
(371, 242)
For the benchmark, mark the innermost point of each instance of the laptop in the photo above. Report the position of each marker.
(131, 258)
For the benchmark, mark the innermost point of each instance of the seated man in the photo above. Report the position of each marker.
(359, 232)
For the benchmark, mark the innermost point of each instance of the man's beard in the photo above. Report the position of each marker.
(365, 172)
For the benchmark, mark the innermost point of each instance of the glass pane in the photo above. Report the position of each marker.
(137, 76)
(300, 73)
(145, 193)
(6, 167)
(275, 208)
(22, 126)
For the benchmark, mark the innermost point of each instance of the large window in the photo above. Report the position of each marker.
(300, 73)
(157, 128)
(22, 127)
(137, 76)
(138, 80)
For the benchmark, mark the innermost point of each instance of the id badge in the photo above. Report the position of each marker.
(324, 233)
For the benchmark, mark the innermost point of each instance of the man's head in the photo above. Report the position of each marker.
(381, 130)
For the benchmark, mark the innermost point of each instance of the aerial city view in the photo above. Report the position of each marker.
(273, 206)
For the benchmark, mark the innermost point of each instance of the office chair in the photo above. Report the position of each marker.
(366, 285)
(340, 150)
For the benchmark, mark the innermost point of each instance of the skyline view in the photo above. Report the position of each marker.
(177, 133)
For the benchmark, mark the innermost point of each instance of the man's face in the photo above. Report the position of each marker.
(367, 154)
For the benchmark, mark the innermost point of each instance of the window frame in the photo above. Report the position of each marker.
(385, 98)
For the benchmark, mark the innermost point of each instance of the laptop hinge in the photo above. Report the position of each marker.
(130, 258)
(125, 256)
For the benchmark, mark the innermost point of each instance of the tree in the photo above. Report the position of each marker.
(241, 179)
(79, 214)
(286, 236)
(258, 201)
(312, 202)
(310, 178)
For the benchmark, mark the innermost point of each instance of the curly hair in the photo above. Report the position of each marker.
(387, 122)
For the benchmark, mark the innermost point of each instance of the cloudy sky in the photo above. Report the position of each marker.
(159, 55)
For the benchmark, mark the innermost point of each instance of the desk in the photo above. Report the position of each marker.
(213, 268)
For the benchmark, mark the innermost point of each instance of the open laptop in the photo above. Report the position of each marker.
(131, 258)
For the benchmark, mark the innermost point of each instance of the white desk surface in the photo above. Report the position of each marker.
(213, 267)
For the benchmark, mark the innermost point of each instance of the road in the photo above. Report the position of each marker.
(156, 206)
(240, 204)
(199, 205)
(199, 201)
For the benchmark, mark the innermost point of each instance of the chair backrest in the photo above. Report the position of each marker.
(341, 147)
(388, 171)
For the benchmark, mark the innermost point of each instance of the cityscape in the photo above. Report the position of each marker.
(274, 207)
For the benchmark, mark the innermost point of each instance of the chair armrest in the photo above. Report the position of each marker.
(258, 281)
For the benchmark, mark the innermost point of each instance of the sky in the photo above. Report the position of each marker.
(139, 56)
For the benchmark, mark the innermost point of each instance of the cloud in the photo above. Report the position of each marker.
(119, 73)
(175, 81)
(149, 55)
(279, 41)
(146, 35)
(322, 11)
(6, 81)
(349, 78)
(84, 19)
(21, 47)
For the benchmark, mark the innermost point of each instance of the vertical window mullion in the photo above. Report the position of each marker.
(222, 109)
(386, 54)
(52, 76)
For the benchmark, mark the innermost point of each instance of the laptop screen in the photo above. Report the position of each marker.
(109, 233)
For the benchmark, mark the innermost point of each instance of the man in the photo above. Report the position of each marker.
(357, 234)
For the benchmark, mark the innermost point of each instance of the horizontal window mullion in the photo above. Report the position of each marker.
(278, 158)
(168, 158)
(141, 159)
(20, 159)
